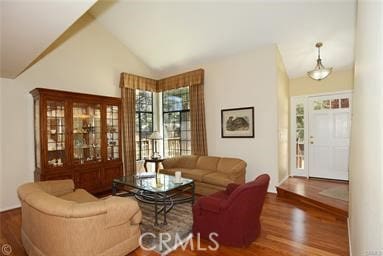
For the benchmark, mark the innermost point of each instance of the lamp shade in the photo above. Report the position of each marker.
(155, 136)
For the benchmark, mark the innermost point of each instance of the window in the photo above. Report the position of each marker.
(298, 135)
(176, 122)
(331, 104)
(144, 123)
(300, 139)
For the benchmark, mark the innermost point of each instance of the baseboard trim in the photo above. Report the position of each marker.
(349, 236)
(10, 208)
(275, 189)
(283, 180)
(272, 189)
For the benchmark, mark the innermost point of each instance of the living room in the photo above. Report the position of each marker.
(90, 56)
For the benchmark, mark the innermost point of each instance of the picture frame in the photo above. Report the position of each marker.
(237, 122)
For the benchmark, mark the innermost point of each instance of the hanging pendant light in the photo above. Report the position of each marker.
(319, 72)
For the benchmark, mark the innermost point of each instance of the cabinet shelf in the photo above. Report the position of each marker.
(55, 117)
(85, 147)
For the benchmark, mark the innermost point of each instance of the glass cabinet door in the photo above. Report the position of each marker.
(86, 133)
(56, 133)
(112, 135)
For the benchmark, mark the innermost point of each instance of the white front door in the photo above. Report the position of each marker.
(329, 136)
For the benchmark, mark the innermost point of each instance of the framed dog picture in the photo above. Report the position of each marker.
(237, 123)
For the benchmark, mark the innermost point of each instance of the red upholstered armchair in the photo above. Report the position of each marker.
(232, 214)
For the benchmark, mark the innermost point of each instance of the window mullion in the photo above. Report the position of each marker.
(180, 124)
(139, 134)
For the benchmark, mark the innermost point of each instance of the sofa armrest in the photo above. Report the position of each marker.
(137, 218)
(121, 210)
(238, 174)
(83, 210)
(210, 204)
(57, 187)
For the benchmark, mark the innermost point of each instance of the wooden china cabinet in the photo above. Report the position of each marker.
(77, 136)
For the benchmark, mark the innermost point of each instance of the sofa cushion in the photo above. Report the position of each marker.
(188, 162)
(217, 178)
(170, 162)
(195, 174)
(230, 165)
(207, 163)
(79, 196)
(171, 171)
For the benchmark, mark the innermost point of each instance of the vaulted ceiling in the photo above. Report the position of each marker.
(169, 34)
(173, 33)
(29, 27)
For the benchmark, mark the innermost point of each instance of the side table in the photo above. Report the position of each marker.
(156, 162)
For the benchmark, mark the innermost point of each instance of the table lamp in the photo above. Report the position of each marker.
(155, 136)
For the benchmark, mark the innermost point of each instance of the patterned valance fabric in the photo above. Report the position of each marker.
(138, 82)
(191, 78)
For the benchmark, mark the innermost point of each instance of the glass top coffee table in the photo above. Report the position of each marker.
(160, 189)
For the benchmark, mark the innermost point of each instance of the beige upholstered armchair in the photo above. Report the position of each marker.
(58, 220)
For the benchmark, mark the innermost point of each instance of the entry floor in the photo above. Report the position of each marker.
(307, 191)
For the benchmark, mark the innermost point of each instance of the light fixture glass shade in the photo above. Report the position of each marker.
(319, 72)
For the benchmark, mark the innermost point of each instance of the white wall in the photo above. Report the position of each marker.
(283, 118)
(244, 80)
(90, 61)
(339, 80)
(366, 172)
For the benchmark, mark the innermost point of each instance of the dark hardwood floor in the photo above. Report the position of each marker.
(307, 191)
(287, 229)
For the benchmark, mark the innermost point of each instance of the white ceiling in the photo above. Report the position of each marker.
(165, 34)
(28, 27)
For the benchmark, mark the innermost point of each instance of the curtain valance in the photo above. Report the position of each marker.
(191, 78)
(138, 82)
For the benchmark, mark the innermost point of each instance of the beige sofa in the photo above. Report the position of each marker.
(209, 173)
(58, 220)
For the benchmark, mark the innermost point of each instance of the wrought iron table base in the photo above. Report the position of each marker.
(164, 200)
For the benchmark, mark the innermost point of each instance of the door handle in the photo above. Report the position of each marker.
(311, 142)
(311, 137)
